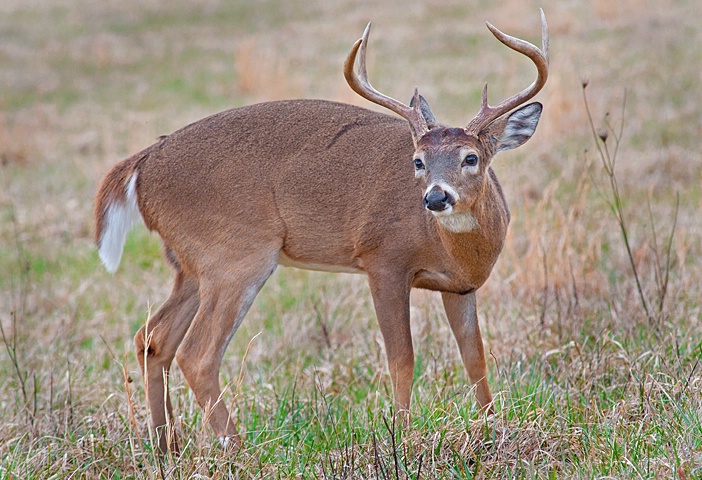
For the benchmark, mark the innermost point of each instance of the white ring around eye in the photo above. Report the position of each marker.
(471, 169)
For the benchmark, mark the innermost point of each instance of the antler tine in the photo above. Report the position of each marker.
(488, 113)
(544, 36)
(360, 84)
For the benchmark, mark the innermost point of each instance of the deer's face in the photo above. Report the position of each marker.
(452, 163)
(451, 167)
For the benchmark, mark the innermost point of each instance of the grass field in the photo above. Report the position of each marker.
(593, 376)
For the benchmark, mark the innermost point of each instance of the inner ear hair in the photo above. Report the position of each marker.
(513, 130)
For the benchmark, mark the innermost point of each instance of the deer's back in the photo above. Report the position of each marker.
(320, 175)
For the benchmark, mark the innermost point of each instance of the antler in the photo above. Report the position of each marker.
(359, 83)
(488, 113)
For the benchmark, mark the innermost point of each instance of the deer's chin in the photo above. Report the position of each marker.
(456, 222)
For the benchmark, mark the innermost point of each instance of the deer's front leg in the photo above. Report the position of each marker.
(463, 317)
(391, 301)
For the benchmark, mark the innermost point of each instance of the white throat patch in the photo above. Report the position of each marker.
(461, 222)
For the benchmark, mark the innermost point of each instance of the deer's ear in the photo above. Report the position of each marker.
(425, 109)
(514, 130)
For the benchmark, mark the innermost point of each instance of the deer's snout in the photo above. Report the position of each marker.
(437, 199)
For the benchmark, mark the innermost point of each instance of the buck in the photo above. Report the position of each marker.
(324, 186)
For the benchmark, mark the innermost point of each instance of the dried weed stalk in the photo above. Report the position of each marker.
(10, 339)
(608, 158)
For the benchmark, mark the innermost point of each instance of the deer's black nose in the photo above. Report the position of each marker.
(436, 200)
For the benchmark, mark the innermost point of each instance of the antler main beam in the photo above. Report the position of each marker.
(488, 113)
(360, 84)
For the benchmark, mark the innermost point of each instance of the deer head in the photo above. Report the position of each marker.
(452, 164)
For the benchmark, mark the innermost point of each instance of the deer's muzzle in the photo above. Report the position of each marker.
(438, 200)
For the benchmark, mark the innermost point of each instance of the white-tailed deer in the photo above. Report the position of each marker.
(324, 186)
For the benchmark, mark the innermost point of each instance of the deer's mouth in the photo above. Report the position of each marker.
(445, 212)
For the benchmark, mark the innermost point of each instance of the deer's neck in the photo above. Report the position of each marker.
(474, 239)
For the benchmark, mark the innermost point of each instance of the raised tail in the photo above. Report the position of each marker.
(116, 211)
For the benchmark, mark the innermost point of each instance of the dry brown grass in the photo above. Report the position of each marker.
(587, 386)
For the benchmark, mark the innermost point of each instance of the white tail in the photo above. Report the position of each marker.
(318, 185)
(121, 214)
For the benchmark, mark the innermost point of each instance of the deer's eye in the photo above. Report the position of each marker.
(418, 164)
(471, 160)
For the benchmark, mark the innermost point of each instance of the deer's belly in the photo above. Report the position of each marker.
(286, 261)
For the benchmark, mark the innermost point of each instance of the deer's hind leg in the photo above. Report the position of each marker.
(156, 345)
(228, 287)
